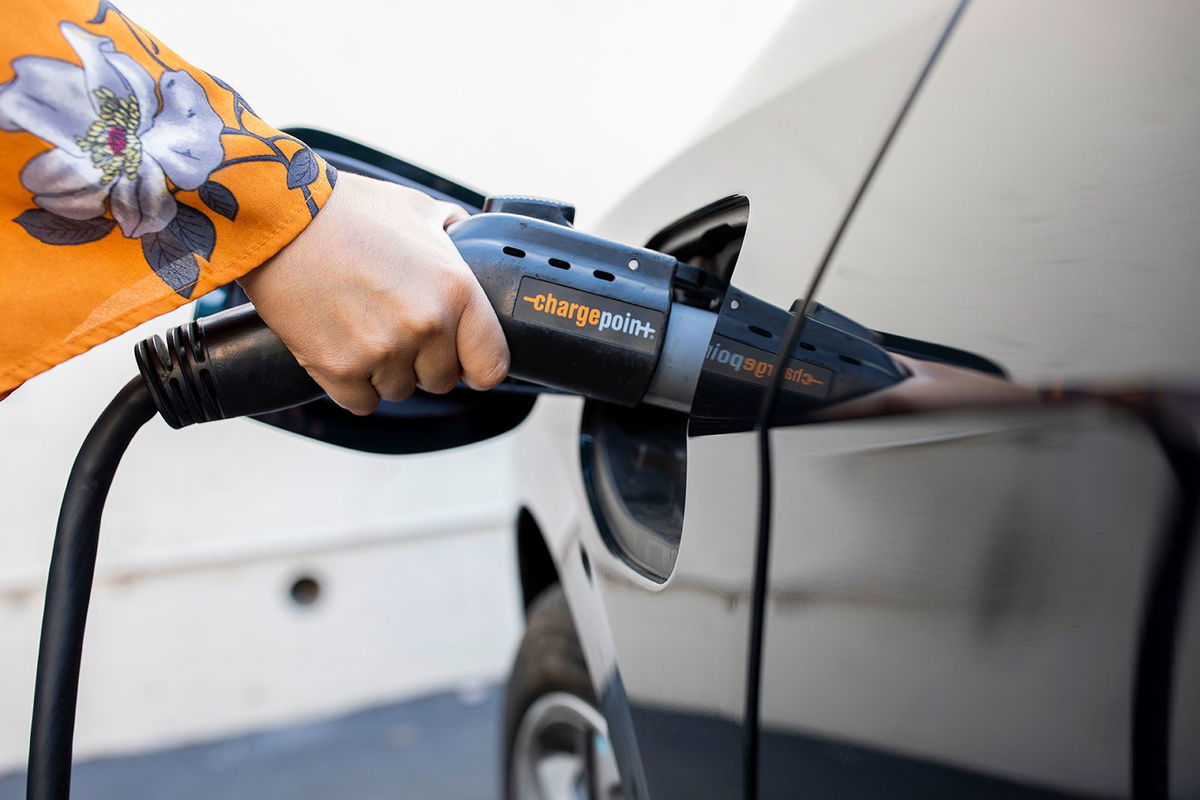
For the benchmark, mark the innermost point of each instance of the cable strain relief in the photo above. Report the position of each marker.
(175, 371)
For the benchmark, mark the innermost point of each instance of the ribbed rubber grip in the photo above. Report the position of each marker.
(227, 365)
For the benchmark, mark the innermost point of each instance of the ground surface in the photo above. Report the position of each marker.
(439, 746)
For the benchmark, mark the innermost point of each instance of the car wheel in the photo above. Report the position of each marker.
(556, 739)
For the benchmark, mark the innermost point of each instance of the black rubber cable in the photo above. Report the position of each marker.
(69, 588)
(1159, 634)
(791, 336)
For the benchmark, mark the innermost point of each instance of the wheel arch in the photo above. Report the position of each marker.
(535, 565)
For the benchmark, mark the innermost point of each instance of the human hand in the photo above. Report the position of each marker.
(373, 299)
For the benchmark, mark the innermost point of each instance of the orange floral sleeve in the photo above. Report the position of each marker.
(130, 182)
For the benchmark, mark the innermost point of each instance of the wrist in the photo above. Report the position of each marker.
(306, 245)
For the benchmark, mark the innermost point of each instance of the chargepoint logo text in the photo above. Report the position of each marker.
(587, 314)
(741, 361)
(582, 314)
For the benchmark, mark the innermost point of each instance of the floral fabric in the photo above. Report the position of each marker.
(130, 182)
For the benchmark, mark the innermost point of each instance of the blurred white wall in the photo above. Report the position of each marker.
(192, 632)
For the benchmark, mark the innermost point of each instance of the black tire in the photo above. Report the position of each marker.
(550, 659)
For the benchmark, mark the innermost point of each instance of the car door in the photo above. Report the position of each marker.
(981, 591)
(656, 553)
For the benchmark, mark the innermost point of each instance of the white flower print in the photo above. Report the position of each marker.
(112, 141)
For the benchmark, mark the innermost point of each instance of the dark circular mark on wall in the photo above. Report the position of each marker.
(305, 590)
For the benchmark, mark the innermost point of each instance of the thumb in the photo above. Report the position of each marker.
(452, 213)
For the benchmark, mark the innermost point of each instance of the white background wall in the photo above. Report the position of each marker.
(192, 633)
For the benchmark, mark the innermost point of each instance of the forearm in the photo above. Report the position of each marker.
(134, 182)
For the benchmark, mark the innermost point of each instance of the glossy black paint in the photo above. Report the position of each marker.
(517, 257)
(421, 424)
(351, 156)
(634, 463)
